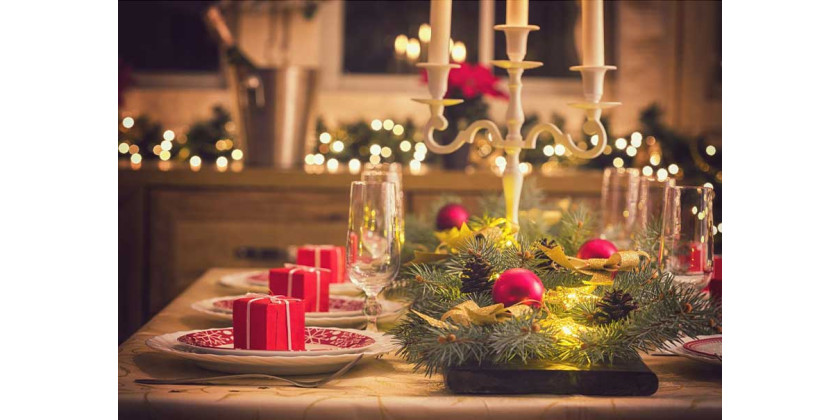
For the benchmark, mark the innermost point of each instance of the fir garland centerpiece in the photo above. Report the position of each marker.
(592, 312)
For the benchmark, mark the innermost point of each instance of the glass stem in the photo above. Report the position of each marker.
(372, 310)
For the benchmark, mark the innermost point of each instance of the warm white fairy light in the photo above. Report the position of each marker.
(221, 162)
(236, 154)
(309, 159)
(375, 159)
(388, 124)
(128, 122)
(398, 130)
(123, 148)
(325, 137)
(169, 135)
(608, 150)
(376, 125)
(459, 52)
(386, 152)
(412, 50)
(559, 149)
(708, 185)
(636, 139)
(647, 171)
(711, 150)
(661, 174)
(166, 145)
(332, 165)
(548, 150)
(375, 149)
(414, 167)
(525, 168)
(136, 158)
(631, 151)
(621, 143)
(133, 149)
(221, 145)
(405, 145)
(318, 159)
(594, 140)
(400, 44)
(418, 155)
(501, 162)
(354, 165)
(156, 150)
(165, 155)
(673, 169)
(337, 146)
(618, 162)
(420, 147)
(425, 33)
(655, 159)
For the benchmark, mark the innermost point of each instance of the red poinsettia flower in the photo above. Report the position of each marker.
(471, 80)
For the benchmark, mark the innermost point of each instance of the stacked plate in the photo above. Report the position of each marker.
(345, 311)
(327, 350)
(257, 281)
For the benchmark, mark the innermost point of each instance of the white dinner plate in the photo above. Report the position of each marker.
(257, 281)
(272, 365)
(703, 349)
(345, 311)
(318, 340)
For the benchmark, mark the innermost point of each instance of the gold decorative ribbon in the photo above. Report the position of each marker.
(601, 269)
(469, 313)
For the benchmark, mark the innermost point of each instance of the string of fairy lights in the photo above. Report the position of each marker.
(410, 50)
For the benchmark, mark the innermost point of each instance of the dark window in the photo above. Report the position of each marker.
(370, 28)
(166, 36)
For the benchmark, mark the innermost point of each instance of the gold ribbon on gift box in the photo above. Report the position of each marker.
(469, 313)
(600, 269)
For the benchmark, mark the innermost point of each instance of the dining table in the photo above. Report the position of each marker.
(383, 388)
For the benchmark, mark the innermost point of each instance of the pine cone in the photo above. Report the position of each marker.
(614, 306)
(476, 275)
(540, 255)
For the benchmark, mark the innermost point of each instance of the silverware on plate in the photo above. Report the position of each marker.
(225, 380)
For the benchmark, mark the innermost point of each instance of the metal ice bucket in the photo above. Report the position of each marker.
(276, 112)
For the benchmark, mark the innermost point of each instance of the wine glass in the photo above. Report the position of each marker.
(373, 246)
(651, 204)
(687, 241)
(619, 202)
(389, 172)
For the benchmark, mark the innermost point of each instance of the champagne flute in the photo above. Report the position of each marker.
(619, 201)
(373, 246)
(389, 172)
(687, 247)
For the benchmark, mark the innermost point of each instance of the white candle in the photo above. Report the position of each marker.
(593, 32)
(441, 19)
(517, 12)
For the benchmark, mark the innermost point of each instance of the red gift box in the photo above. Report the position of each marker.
(309, 284)
(263, 322)
(330, 257)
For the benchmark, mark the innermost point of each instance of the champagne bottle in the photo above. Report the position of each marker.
(234, 54)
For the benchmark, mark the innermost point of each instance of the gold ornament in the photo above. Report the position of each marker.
(600, 269)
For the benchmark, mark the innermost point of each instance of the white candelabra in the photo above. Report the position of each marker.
(517, 41)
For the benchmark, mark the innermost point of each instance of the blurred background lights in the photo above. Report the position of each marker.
(195, 161)
(424, 33)
(236, 154)
(559, 149)
(711, 150)
(631, 151)
(309, 159)
(165, 155)
(375, 149)
(386, 152)
(318, 159)
(401, 43)
(647, 171)
(221, 162)
(325, 137)
(388, 124)
(376, 125)
(661, 174)
(136, 158)
(123, 148)
(673, 169)
(337, 146)
(594, 140)
(332, 165)
(618, 162)
(620, 144)
(420, 147)
(398, 130)
(169, 135)
(405, 145)
(636, 139)
(459, 52)
(133, 149)
(354, 166)
(548, 150)
(128, 122)
(412, 50)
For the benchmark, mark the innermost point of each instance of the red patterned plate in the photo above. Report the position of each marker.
(339, 305)
(711, 347)
(318, 341)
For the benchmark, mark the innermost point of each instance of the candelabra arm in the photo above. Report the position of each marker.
(591, 127)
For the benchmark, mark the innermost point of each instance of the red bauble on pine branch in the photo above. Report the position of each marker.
(596, 248)
(452, 215)
(518, 285)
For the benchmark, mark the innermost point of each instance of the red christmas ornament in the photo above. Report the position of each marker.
(596, 248)
(516, 285)
(451, 216)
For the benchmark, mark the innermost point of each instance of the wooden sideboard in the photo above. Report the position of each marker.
(174, 225)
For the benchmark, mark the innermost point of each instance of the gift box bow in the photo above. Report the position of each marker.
(316, 270)
(273, 299)
(600, 269)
